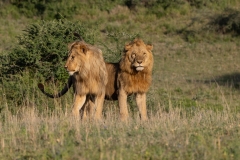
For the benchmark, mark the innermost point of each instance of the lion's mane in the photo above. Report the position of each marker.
(136, 81)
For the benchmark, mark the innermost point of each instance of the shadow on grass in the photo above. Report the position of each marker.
(228, 80)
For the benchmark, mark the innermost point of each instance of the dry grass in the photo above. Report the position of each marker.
(167, 135)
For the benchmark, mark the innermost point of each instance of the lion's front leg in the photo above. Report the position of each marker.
(78, 104)
(99, 106)
(122, 102)
(141, 103)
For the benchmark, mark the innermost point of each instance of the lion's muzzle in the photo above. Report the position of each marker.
(139, 68)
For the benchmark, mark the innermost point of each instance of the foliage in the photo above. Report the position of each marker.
(40, 54)
(227, 22)
(43, 48)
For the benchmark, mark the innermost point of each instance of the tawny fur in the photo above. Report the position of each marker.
(132, 80)
(111, 91)
(122, 79)
(88, 76)
(91, 77)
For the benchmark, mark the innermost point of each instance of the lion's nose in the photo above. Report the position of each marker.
(139, 61)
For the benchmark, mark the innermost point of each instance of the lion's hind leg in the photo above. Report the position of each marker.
(92, 108)
(87, 109)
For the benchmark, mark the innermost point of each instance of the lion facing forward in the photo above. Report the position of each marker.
(135, 76)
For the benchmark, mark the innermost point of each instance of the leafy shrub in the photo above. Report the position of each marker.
(226, 22)
(43, 49)
(40, 54)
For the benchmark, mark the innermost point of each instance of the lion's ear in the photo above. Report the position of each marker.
(84, 48)
(149, 47)
(127, 47)
(70, 46)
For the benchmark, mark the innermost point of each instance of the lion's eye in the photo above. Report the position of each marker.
(144, 53)
(133, 55)
(72, 57)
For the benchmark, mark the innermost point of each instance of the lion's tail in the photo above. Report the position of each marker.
(63, 91)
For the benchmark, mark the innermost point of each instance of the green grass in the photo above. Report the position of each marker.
(193, 103)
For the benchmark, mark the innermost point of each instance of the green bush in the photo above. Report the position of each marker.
(226, 22)
(40, 54)
(42, 49)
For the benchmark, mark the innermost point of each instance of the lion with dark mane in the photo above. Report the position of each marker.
(135, 76)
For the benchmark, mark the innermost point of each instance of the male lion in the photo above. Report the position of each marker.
(88, 74)
(132, 75)
(135, 76)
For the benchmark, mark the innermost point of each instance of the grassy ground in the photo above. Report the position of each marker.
(193, 103)
(167, 135)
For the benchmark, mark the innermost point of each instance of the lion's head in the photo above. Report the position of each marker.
(86, 64)
(77, 57)
(137, 57)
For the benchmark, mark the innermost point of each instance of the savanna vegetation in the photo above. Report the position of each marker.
(193, 103)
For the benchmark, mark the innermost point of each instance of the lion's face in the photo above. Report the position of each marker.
(139, 55)
(77, 57)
